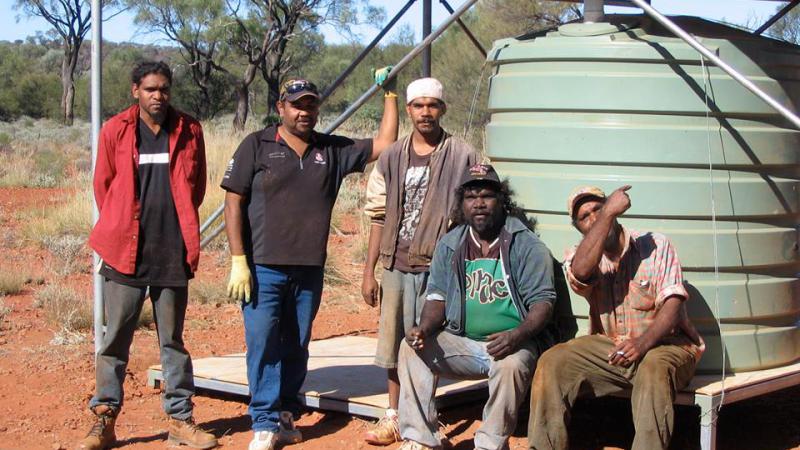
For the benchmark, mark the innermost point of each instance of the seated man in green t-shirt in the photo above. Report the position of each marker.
(491, 291)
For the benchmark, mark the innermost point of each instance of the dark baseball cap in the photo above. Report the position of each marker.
(480, 173)
(296, 88)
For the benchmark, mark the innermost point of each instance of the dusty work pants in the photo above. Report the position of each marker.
(123, 304)
(458, 357)
(402, 299)
(581, 366)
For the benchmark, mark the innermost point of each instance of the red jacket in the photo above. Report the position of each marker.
(115, 234)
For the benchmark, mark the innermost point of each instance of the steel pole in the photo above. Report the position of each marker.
(466, 30)
(211, 218)
(365, 52)
(426, 31)
(97, 78)
(401, 64)
(776, 17)
(678, 31)
(593, 11)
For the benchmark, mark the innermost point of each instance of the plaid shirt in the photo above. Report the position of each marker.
(625, 297)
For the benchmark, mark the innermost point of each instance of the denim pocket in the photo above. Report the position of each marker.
(640, 297)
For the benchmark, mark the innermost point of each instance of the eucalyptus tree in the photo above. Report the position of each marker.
(198, 27)
(265, 29)
(71, 20)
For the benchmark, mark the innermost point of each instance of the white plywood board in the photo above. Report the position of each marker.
(341, 377)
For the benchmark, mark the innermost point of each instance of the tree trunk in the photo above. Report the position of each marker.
(67, 92)
(68, 65)
(242, 107)
(243, 96)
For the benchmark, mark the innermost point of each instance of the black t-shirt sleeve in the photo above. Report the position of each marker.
(238, 176)
(353, 155)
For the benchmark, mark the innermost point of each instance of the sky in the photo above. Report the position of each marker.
(121, 27)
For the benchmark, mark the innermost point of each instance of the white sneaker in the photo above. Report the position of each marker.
(263, 440)
(287, 433)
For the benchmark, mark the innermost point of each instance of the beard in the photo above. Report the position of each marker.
(491, 221)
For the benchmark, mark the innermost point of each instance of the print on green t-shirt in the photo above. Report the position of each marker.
(489, 307)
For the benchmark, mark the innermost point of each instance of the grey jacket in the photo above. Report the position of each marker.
(526, 261)
(386, 187)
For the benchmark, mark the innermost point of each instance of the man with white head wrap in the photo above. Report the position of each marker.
(409, 195)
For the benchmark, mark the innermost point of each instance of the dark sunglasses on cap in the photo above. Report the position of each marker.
(292, 87)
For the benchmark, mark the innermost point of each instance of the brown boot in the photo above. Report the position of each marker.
(101, 436)
(186, 432)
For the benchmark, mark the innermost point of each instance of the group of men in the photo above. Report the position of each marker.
(467, 288)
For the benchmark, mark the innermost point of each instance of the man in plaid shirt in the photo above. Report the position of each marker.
(640, 337)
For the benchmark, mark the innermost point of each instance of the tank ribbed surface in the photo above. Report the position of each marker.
(625, 103)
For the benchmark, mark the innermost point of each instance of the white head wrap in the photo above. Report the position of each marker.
(424, 87)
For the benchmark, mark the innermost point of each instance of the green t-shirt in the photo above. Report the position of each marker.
(489, 306)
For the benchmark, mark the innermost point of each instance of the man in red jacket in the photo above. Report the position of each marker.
(149, 181)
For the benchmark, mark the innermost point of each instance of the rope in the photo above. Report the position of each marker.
(706, 81)
(468, 125)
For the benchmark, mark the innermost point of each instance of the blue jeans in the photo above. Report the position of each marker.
(277, 328)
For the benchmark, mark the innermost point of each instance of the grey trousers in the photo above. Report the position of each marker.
(459, 357)
(123, 304)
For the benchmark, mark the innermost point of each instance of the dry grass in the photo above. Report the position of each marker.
(70, 312)
(208, 292)
(11, 281)
(71, 255)
(4, 312)
(42, 153)
(64, 308)
(72, 216)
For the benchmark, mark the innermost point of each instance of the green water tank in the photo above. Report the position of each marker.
(625, 102)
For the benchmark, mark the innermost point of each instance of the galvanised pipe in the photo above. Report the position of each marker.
(365, 52)
(97, 77)
(678, 31)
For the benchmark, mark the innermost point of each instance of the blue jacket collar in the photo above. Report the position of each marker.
(455, 237)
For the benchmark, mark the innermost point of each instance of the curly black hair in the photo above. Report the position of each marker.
(505, 195)
(147, 67)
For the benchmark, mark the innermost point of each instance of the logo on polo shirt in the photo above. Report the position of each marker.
(228, 169)
(318, 158)
(277, 155)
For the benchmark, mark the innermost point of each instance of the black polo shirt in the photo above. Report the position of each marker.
(290, 199)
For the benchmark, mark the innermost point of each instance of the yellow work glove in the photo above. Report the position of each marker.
(241, 280)
(389, 87)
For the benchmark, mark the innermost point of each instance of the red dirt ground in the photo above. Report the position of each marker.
(44, 388)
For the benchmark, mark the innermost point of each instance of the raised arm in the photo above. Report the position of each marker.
(590, 250)
(387, 133)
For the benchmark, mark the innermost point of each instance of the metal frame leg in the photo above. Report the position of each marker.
(708, 405)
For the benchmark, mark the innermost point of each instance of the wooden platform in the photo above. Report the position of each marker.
(341, 377)
(710, 392)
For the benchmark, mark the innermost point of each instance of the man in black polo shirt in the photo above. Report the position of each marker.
(281, 186)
